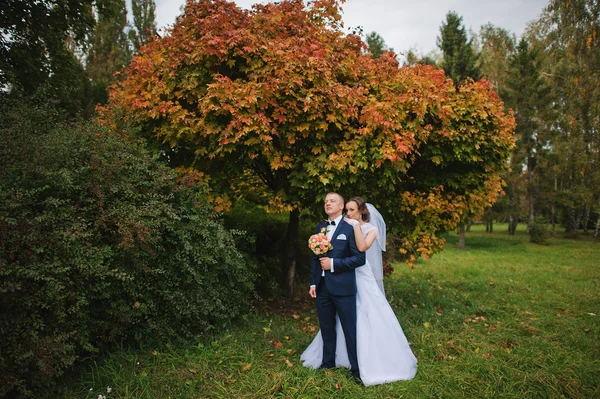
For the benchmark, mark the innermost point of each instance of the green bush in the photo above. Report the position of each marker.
(538, 231)
(99, 244)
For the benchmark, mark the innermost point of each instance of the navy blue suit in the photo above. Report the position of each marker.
(336, 292)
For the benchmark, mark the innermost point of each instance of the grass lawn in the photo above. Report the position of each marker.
(502, 318)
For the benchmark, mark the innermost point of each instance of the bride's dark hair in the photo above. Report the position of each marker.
(362, 207)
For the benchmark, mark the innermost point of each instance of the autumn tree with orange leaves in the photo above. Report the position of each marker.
(280, 99)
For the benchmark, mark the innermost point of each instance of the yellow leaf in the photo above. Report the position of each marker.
(246, 367)
(427, 324)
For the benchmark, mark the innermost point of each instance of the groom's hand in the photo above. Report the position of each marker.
(312, 291)
(325, 263)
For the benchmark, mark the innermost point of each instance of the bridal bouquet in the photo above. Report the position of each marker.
(319, 243)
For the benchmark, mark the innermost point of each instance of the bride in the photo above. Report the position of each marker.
(382, 349)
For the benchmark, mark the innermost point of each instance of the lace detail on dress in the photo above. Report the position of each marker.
(365, 228)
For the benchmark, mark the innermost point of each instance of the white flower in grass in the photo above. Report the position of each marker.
(108, 389)
(101, 396)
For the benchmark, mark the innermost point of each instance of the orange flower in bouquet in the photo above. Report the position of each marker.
(319, 243)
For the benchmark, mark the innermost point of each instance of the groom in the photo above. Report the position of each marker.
(333, 283)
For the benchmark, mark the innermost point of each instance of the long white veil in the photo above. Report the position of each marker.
(374, 254)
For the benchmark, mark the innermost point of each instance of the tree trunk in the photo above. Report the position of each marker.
(553, 217)
(491, 226)
(530, 195)
(461, 235)
(586, 219)
(578, 218)
(571, 226)
(512, 225)
(597, 227)
(554, 205)
(469, 223)
(291, 243)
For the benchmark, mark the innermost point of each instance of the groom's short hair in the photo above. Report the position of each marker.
(339, 195)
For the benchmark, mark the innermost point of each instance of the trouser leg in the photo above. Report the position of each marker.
(326, 310)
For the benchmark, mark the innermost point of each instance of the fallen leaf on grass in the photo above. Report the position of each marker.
(475, 319)
(295, 316)
(286, 361)
(329, 373)
(269, 355)
(277, 344)
(291, 351)
(427, 324)
(338, 387)
(246, 367)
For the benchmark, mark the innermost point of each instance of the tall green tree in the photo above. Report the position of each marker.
(460, 59)
(376, 44)
(110, 49)
(459, 63)
(497, 46)
(35, 54)
(528, 95)
(144, 22)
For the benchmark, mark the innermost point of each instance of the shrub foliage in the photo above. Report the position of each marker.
(100, 242)
(538, 231)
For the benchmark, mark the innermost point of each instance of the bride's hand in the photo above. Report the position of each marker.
(352, 222)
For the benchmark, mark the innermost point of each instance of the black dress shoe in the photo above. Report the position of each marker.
(356, 377)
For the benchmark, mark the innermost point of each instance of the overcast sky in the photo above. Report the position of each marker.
(406, 24)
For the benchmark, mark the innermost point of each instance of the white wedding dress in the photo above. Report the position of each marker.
(382, 349)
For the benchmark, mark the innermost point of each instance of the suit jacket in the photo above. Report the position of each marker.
(346, 257)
